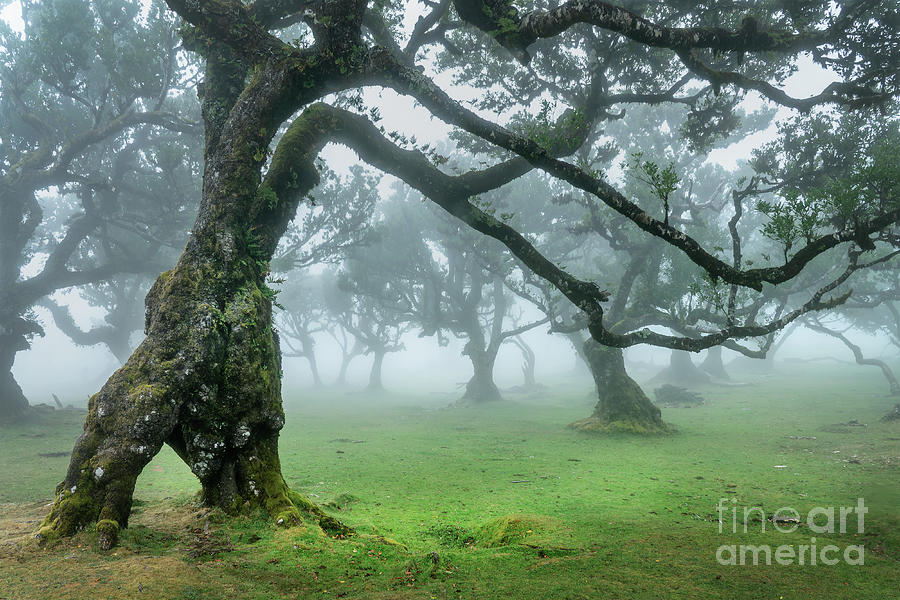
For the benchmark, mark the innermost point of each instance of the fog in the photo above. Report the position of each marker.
(55, 365)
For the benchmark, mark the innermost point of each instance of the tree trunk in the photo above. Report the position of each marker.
(528, 365)
(346, 358)
(341, 379)
(682, 370)
(713, 365)
(13, 404)
(309, 352)
(375, 384)
(622, 406)
(481, 387)
(205, 381)
(207, 378)
(528, 362)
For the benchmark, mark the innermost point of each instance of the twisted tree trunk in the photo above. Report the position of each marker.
(206, 381)
(622, 405)
(207, 378)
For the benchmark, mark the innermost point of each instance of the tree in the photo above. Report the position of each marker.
(89, 161)
(336, 220)
(123, 299)
(374, 315)
(304, 316)
(872, 308)
(206, 379)
(476, 304)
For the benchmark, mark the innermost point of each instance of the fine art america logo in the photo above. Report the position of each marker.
(820, 520)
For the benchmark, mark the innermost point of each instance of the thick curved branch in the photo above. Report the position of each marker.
(415, 169)
(516, 31)
(233, 24)
(414, 83)
(64, 321)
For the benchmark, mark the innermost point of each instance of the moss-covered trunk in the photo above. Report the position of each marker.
(207, 382)
(622, 404)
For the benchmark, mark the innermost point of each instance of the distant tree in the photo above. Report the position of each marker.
(96, 136)
(306, 317)
(123, 301)
(377, 326)
(336, 219)
(475, 302)
(529, 360)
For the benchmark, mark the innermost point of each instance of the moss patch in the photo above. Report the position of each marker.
(538, 531)
(633, 426)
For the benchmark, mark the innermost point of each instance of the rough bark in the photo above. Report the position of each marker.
(205, 381)
(713, 365)
(622, 405)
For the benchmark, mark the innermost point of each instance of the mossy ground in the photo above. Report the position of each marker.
(614, 516)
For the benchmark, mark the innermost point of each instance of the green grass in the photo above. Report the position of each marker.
(500, 501)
